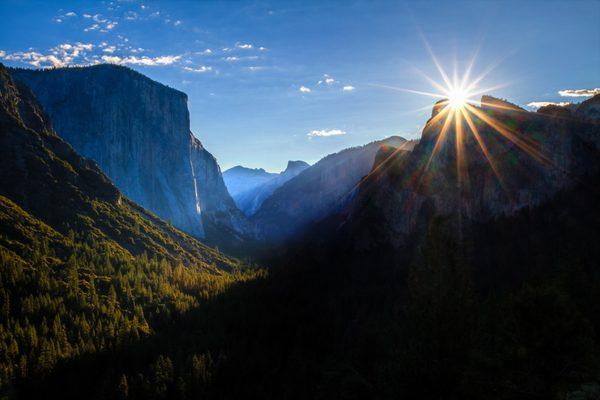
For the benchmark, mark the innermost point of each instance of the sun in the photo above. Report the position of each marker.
(458, 98)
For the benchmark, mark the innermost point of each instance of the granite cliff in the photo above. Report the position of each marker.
(138, 132)
(50, 194)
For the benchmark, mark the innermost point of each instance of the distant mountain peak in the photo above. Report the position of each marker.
(294, 165)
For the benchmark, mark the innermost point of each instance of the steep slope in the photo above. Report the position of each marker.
(249, 201)
(238, 179)
(138, 132)
(518, 159)
(78, 256)
(317, 191)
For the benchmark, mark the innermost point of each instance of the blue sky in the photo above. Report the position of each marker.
(270, 81)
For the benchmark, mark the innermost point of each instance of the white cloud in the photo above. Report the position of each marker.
(304, 89)
(327, 80)
(325, 133)
(92, 28)
(538, 104)
(87, 16)
(147, 61)
(109, 49)
(177, 23)
(60, 56)
(201, 69)
(36, 59)
(261, 48)
(255, 68)
(348, 88)
(2, 53)
(245, 46)
(70, 14)
(232, 59)
(58, 20)
(579, 92)
(205, 52)
(131, 15)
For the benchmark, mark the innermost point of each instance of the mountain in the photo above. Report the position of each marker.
(250, 199)
(138, 131)
(589, 108)
(79, 256)
(318, 191)
(45, 179)
(239, 179)
(517, 160)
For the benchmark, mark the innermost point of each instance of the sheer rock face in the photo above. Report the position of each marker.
(550, 151)
(137, 130)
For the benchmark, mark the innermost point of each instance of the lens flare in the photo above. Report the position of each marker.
(457, 115)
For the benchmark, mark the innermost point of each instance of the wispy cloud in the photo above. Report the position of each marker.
(579, 92)
(62, 17)
(102, 24)
(328, 80)
(538, 104)
(232, 59)
(144, 60)
(201, 69)
(348, 88)
(244, 46)
(326, 132)
(304, 89)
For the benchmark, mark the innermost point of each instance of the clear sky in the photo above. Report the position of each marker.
(270, 81)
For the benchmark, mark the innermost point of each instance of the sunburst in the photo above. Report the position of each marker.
(459, 114)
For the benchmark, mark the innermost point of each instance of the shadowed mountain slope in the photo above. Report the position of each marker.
(318, 191)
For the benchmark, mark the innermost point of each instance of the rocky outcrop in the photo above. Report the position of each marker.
(516, 159)
(318, 191)
(250, 200)
(138, 132)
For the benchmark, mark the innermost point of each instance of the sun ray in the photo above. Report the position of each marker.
(485, 151)
(441, 137)
(435, 95)
(461, 169)
(522, 143)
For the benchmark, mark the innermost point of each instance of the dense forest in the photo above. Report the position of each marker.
(510, 311)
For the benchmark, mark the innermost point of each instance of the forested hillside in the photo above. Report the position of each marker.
(84, 269)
